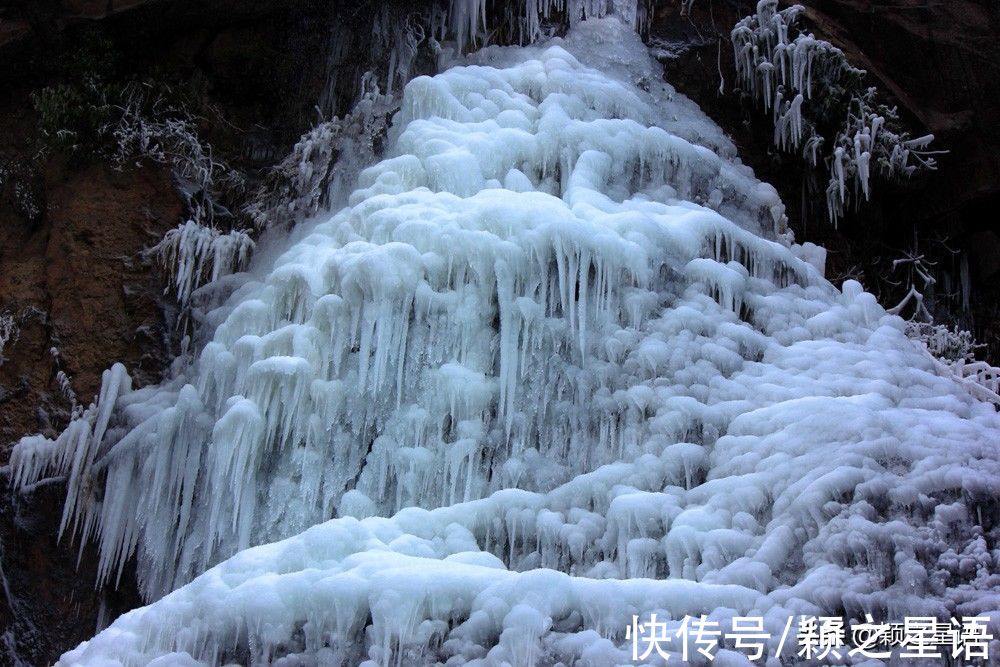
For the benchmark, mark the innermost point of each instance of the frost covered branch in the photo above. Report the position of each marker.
(201, 249)
(149, 128)
(16, 181)
(321, 168)
(918, 268)
(949, 344)
(819, 105)
(954, 350)
(870, 142)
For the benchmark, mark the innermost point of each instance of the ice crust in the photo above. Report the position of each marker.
(556, 364)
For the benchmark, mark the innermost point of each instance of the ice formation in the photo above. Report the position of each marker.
(9, 331)
(467, 19)
(194, 255)
(556, 363)
(784, 68)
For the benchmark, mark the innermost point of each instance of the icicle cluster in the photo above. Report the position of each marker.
(194, 255)
(398, 37)
(72, 455)
(786, 70)
(554, 365)
(63, 381)
(400, 34)
(9, 331)
(775, 62)
(467, 19)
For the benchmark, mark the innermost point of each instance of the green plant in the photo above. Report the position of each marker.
(73, 112)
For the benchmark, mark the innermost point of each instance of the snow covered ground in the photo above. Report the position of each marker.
(557, 364)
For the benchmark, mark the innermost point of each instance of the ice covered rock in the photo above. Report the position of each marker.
(554, 365)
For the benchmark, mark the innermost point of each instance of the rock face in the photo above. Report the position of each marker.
(74, 279)
(52, 603)
(72, 235)
(77, 284)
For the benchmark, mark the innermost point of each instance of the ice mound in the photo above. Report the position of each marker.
(556, 364)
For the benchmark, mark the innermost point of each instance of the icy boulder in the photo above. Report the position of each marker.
(555, 365)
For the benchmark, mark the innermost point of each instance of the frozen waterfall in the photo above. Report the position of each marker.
(556, 363)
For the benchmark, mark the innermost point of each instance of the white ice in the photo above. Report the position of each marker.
(556, 364)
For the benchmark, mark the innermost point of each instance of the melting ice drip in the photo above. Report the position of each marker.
(555, 364)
